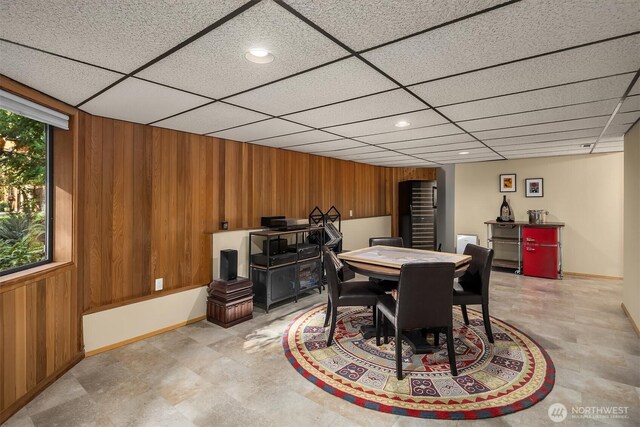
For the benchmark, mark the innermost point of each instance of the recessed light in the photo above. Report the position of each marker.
(463, 152)
(403, 124)
(259, 56)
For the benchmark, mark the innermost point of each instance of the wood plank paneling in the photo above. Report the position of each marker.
(152, 195)
(37, 325)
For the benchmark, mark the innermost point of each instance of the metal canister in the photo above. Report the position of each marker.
(537, 216)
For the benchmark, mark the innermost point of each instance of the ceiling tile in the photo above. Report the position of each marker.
(405, 163)
(625, 118)
(264, 129)
(369, 107)
(384, 20)
(544, 136)
(632, 103)
(546, 151)
(336, 82)
(473, 152)
(609, 147)
(599, 108)
(438, 140)
(616, 130)
(118, 34)
(210, 118)
(216, 64)
(296, 139)
(603, 59)
(404, 135)
(381, 156)
(549, 127)
(548, 154)
(487, 158)
(387, 124)
(516, 31)
(594, 90)
(567, 144)
(364, 149)
(328, 146)
(68, 81)
(461, 146)
(138, 101)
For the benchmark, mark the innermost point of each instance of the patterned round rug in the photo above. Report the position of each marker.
(496, 379)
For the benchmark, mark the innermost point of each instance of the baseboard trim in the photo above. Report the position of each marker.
(39, 388)
(144, 336)
(592, 276)
(633, 323)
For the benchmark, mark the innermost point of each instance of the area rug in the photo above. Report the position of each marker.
(496, 379)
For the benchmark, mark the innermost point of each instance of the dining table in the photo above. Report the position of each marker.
(385, 263)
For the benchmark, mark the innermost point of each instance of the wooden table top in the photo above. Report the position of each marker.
(384, 262)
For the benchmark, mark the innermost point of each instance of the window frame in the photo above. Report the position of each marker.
(49, 210)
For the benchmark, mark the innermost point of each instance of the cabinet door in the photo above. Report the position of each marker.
(540, 261)
(535, 235)
(283, 282)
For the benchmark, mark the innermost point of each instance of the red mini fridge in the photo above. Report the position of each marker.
(540, 252)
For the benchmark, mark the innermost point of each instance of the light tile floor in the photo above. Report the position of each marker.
(205, 375)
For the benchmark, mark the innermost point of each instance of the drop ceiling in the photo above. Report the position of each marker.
(496, 79)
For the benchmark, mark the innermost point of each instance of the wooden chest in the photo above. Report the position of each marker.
(230, 302)
(229, 313)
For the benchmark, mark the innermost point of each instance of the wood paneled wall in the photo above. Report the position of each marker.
(39, 333)
(152, 195)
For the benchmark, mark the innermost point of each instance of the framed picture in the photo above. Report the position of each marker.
(533, 187)
(508, 183)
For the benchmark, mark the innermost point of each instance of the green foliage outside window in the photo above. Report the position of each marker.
(23, 172)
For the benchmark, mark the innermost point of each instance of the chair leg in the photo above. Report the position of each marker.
(452, 352)
(487, 322)
(385, 328)
(398, 354)
(326, 316)
(378, 328)
(436, 337)
(465, 316)
(334, 320)
(374, 309)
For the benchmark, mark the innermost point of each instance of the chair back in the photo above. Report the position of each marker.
(425, 295)
(332, 267)
(386, 241)
(476, 278)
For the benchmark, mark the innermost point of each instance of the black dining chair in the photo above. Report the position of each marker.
(473, 285)
(385, 285)
(345, 294)
(424, 301)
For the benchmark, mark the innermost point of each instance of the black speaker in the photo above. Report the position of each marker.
(275, 247)
(228, 264)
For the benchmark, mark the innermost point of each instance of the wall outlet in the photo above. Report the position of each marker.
(350, 212)
(159, 284)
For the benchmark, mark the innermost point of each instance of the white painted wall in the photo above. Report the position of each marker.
(356, 233)
(585, 192)
(631, 287)
(109, 327)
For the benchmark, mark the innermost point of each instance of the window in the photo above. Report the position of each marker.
(25, 171)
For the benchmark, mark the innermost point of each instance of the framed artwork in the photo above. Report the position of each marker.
(508, 183)
(533, 187)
